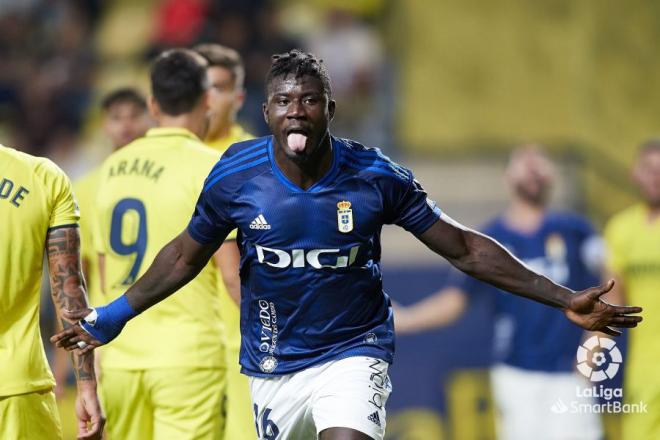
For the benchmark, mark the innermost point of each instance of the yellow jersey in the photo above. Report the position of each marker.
(146, 196)
(634, 255)
(35, 195)
(85, 190)
(229, 312)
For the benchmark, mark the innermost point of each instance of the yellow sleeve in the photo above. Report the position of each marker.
(232, 235)
(615, 240)
(64, 209)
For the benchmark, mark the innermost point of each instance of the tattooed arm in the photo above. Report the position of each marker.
(68, 292)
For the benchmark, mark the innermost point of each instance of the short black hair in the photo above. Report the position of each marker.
(123, 95)
(178, 80)
(218, 55)
(298, 63)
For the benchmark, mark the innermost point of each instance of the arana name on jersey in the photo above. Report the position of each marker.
(138, 167)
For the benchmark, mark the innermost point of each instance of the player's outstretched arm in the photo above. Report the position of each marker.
(176, 264)
(485, 259)
(68, 292)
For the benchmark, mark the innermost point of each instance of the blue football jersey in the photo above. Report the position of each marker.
(530, 335)
(310, 259)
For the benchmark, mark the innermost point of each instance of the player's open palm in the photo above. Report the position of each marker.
(590, 312)
(89, 414)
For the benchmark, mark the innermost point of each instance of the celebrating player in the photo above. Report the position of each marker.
(163, 378)
(316, 326)
(226, 95)
(633, 239)
(38, 213)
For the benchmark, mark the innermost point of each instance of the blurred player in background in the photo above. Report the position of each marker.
(633, 240)
(226, 95)
(125, 118)
(316, 326)
(535, 346)
(165, 378)
(38, 213)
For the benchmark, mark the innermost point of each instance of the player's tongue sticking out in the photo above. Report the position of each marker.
(296, 142)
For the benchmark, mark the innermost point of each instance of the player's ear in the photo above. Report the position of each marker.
(331, 108)
(154, 108)
(264, 109)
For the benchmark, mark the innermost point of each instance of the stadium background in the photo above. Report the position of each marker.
(446, 87)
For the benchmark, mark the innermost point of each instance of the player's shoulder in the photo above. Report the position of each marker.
(242, 161)
(202, 152)
(252, 146)
(570, 221)
(370, 161)
(626, 220)
(494, 226)
(22, 160)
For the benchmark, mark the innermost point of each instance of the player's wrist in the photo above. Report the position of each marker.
(106, 322)
(563, 298)
(86, 385)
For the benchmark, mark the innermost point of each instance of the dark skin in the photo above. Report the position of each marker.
(301, 105)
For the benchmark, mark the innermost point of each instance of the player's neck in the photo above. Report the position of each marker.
(189, 121)
(220, 131)
(524, 216)
(306, 174)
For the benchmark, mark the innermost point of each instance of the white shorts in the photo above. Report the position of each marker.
(346, 393)
(538, 405)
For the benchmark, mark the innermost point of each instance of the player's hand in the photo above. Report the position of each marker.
(102, 323)
(88, 412)
(75, 337)
(587, 310)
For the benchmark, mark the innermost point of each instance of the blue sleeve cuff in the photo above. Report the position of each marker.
(109, 320)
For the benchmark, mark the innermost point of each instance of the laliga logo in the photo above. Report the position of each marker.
(592, 359)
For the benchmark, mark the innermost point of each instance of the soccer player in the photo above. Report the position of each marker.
(226, 95)
(535, 345)
(633, 240)
(38, 213)
(164, 378)
(125, 118)
(316, 326)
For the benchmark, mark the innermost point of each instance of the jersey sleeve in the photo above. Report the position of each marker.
(64, 209)
(407, 205)
(211, 221)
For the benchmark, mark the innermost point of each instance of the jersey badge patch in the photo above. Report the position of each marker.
(344, 217)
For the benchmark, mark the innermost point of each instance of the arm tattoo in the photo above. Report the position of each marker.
(67, 285)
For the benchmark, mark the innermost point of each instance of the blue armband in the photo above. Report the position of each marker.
(106, 322)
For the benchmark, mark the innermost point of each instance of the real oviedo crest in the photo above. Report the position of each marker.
(344, 217)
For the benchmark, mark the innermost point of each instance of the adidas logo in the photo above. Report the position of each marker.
(374, 418)
(259, 223)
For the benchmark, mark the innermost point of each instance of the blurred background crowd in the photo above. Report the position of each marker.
(446, 87)
(421, 79)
